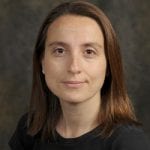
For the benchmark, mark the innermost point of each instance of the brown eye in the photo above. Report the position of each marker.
(89, 53)
(59, 51)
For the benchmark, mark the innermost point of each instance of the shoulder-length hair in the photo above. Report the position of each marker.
(45, 109)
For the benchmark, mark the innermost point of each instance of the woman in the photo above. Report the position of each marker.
(79, 100)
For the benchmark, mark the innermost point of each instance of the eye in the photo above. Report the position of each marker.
(59, 51)
(90, 52)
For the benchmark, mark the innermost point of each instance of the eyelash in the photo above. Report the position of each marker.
(87, 53)
(90, 50)
(92, 53)
(58, 50)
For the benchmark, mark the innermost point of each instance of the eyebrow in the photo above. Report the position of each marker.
(58, 43)
(95, 44)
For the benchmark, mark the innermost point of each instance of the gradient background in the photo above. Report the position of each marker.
(19, 24)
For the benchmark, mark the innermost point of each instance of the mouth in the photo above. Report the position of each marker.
(74, 84)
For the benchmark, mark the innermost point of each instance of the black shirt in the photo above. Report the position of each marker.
(125, 137)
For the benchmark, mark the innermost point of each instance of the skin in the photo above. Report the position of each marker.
(74, 65)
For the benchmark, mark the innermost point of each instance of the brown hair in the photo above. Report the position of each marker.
(45, 108)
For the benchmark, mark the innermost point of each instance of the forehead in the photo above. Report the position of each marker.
(73, 19)
(75, 27)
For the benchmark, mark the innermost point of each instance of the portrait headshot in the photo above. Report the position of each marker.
(78, 87)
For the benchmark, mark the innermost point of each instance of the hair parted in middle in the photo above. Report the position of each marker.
(45, 109)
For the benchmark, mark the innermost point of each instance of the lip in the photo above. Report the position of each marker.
(73, 84)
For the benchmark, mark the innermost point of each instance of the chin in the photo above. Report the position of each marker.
(73, 99)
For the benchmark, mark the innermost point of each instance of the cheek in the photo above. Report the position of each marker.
(52, 76)
(53, 70)
(98, 72)
(49, 66)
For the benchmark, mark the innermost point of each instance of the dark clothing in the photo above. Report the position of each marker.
(125, 137)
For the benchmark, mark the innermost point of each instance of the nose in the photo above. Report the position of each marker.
(74, 65)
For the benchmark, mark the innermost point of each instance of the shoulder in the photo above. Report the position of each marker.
(20, 139)
(22, 123)
(129, 137)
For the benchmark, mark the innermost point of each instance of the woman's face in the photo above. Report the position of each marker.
(74, 61)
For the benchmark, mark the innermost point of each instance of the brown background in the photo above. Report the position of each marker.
(19, 24)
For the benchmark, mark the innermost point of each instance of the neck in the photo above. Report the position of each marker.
(78, 118)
